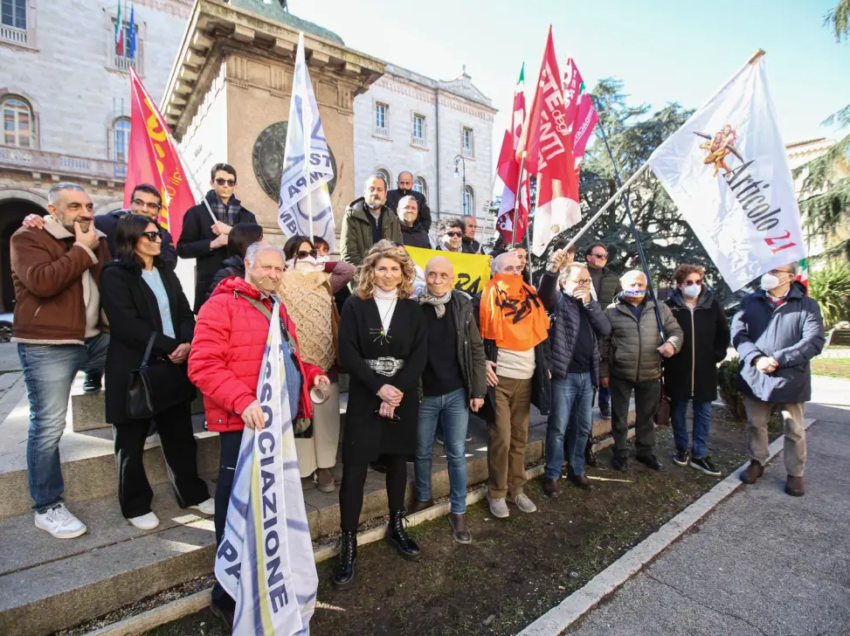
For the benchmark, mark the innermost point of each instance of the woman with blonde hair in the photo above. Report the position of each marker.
(383, 347)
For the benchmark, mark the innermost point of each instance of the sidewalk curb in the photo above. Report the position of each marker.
(562, 616)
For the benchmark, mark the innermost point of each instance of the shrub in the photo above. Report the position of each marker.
(831, 288)
(732, 397)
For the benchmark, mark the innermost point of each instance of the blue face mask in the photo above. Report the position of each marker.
(634, 293)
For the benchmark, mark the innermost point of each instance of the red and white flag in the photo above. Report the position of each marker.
(154, 159)
(549, 154)
(581, 113)
(508, 171)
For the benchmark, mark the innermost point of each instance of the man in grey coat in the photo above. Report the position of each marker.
(631, 361)
(777, 331)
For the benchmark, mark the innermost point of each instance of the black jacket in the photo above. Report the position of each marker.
(692, 373)
(792, 335)
(565, 323)
(394, 196)
(195, 242)
(472, 245)
(230, 266)
(108, 223)
(133, 315)
(416, 236)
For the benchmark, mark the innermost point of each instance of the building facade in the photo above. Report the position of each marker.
(439, 131)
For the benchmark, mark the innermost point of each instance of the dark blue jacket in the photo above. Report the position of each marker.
(564, 326)
(792, 335)
(108, 223)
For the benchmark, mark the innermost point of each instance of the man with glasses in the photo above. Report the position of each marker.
(578, 325)
(204, 237)
(606, 284)
(777, 331)
(450, 236)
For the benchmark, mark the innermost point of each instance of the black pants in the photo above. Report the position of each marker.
(353, 481)
(180, 450)
(647, 395)
(230, 444)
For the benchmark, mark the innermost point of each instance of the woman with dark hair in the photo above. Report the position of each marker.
(383, 346)
(148, 312)
(307, 288)
(240, 238)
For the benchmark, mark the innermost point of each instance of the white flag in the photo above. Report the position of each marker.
(307, 167)
(727, 171)
(265, 559)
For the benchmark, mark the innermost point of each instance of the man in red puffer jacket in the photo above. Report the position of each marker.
(224, 363)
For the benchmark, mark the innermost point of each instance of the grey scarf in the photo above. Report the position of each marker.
(225, 213)
(439, 302)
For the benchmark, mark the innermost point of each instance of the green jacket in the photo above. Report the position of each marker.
(630, 351)
(609, 287)
(356, 234)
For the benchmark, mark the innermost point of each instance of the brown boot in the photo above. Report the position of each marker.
(581, 481)
(325, 480)
(460, 529)
(419, 506)
(795, 486)
(752, 472)
(550, 488)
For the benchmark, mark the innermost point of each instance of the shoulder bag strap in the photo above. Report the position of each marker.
(148, 350)
(258, 305)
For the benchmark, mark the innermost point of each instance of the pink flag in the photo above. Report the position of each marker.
(580, 111)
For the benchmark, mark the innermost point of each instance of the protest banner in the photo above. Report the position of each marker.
(471, 270)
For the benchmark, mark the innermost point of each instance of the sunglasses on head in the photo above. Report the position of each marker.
(305, 253)
(228, 182)
(152, 236)
(454, 234)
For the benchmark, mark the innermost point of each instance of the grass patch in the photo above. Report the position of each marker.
(833, 368)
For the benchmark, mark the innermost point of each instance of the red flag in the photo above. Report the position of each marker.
(581, 114)
(549, 154)
(508, 171)
(154, 159)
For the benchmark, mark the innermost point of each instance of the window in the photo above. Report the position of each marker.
(468, 201)
(385, 174)
(382, 120)
(17, 122)
(467, 143)
(419, 186)
(121, 140)
(131, 47)
(418, 130)
(13, 21)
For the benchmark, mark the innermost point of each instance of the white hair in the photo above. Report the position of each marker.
(631, 274)
(499, 262)
(565, 274)
(403, 200)
(54, 193)
(255, 249)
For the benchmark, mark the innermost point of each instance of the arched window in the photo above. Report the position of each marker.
(17, 122)
(468, 201)
(386, 175)
(420, 186)
(121, 140)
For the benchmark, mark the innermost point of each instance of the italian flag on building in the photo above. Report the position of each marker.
(119, 32)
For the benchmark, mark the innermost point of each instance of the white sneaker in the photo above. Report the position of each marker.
(145, 522)
(60, 523)
(205, 507)
(523, 503)
(498, 507)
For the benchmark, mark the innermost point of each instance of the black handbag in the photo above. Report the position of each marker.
(155, 387)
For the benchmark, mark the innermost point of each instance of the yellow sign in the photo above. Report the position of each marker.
(471, 270)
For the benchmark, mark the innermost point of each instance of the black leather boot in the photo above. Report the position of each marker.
(398, 538)
(589, 455)
(344, 571)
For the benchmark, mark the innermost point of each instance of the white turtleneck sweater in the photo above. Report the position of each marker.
(386, 302)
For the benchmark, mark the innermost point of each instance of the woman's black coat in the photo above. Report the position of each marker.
(692, 373)
(133, 315)
(368, 436)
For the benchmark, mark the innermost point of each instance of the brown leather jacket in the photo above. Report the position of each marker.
(47, 273)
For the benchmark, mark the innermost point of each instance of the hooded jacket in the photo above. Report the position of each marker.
(227, 352)
(630, 351)
(792, 334)
(693, 372)
(356, 234)
(230, 266)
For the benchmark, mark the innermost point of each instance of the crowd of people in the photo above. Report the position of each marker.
(99, 293)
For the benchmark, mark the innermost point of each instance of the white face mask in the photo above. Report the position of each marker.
(769, 282)
(692, 291)
(305, 265)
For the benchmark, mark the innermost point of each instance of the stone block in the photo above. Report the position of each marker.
(87, 412)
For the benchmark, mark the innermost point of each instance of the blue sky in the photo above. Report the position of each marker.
(664, 51)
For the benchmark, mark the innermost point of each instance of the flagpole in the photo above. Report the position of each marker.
(310, 207)
(601, 131)
(518, 201)
(190, 174)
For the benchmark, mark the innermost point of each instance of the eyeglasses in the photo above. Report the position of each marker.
(152, 236)
(228, 182)
(777, 272)
(693, 282)
(149, 204)
(581, 281)
(454, 234)
(305, 254)
(600, 255)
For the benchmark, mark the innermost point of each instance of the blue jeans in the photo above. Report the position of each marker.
(49, 371)
(455, 417)
(702, 425)
(572, 394)
(604, 396)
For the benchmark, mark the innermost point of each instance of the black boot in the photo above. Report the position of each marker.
(398, 538)
(589, 455)
(344, 571)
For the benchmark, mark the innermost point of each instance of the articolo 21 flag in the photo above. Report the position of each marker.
(307, 167)
(727, 171)
(153, 159)
(265, 559)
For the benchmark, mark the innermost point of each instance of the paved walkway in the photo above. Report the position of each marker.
(762, 563)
